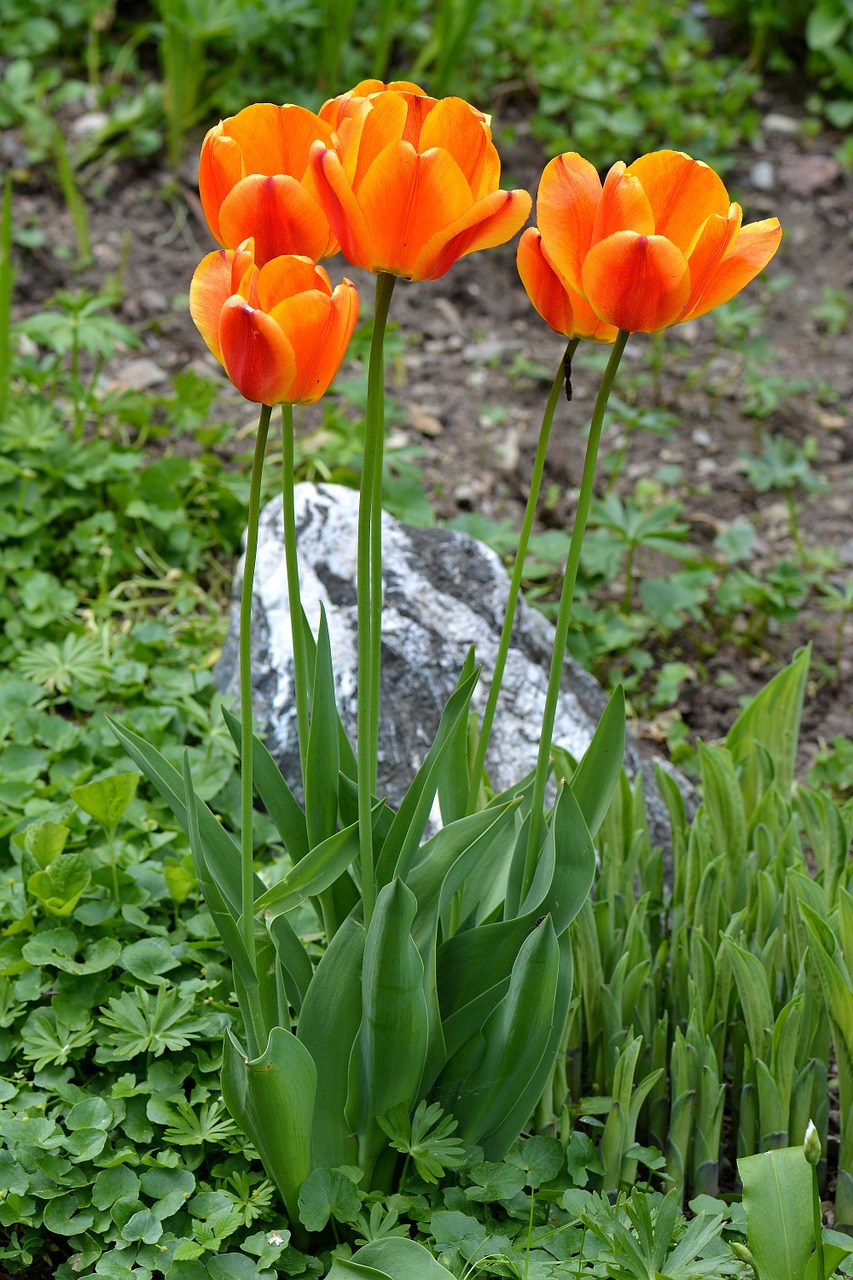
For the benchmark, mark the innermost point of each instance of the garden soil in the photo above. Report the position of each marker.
(476, 364)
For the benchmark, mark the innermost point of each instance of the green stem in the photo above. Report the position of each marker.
(818, 1223)
(247, 918)
(294, 597)
(564, 612)
(628, 595)
(370, 588)
(517, 575)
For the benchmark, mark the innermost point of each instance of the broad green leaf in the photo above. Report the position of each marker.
(293, 961)
(279, 801)
(58, 948)
(390, 1050)
(777, 1196)
(328, 1025)
(393, 1257)
(61, 885)
(322, 755)
(326, 1194)
(107, 799)
(272, 1099)
(723, 809)
(45, 841)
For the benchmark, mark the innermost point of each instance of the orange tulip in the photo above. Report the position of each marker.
(414, 183)
(254, 180)
(279, 330)
(559, 305)
(658, 244)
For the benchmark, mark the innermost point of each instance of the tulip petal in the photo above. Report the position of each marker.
(210, 289)
(382, 122)
(559, 306)
(340, 206)
(220, 168)
(288, 276)
(749, 252)
(275, 139)
(635, 282)
(489, 222)
(566, 205)
(319, 327)
(456, 127)
(258, 357)
(624, 206)
(682, 192)
(281, 215)
(407, 199)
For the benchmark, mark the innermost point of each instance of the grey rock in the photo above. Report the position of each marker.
(443, 592)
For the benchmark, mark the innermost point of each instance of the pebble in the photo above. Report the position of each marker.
(491, 349)
(762, 176)
(139, 375)
(701, 437)
(90, 122)
(806, 175)
(426, 424)
(845, 551)
(775, 122)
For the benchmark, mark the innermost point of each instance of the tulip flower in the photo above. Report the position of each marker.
(279, 330)
(413, 183)
(659, 243)
(254, 180)
(559, 305)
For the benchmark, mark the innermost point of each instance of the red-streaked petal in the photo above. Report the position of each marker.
(491, 221)
(220, 168)
(280, 214)
(257, 355)
(288, 277)
(341, 207)
(210, 289)
(638, 283)
(407, 199)
(748, 253)
(319, 328)
(712, 241)
(566, 205)
(275, 139)
(454, 125)
(682, 192)
(623, 207)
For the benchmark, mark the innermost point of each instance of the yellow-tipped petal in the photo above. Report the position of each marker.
(454, 125)
(624, 206)
(682, 192)
(341, 207)
(748, 253)
(210, 289)
(566, 206)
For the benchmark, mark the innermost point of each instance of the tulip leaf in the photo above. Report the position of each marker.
(596, 777)
(453, 783)
(272, 1099)
(316, 872)
(390, 1049)
(222, 855)
(328, 1024)
(390, 1258)
(777, 1196)
(401, 844)
(754, 997)
(280, 802)
(773, 720)
(294, 963)
(322, 755)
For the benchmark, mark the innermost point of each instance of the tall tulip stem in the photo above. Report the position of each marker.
(247, 904)
(294, 598)
(370, 588)
(517, 574)
(564, 612)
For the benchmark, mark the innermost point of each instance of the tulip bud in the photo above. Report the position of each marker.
(740, 1251)
(811, 1144)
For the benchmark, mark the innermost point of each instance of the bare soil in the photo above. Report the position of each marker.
(476, 420)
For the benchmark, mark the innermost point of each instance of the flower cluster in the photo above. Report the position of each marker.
(406, 184)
